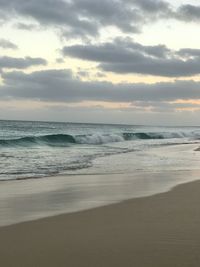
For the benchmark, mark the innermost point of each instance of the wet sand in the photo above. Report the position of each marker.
(157, 231)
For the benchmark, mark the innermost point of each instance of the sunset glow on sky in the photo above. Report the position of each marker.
(109, 61)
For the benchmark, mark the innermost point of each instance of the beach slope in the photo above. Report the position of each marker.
(157, 231)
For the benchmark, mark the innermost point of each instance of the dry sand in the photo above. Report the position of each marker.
(157, 231)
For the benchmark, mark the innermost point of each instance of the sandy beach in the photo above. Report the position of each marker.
(161, 230)
(99, 133)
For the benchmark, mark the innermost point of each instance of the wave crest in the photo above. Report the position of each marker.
(93, 139)
(34, 140)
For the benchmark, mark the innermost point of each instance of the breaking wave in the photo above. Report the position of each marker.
(93, 139)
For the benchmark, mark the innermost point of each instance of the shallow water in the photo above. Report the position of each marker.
(33, 199)
(39, 149)
(97, 165)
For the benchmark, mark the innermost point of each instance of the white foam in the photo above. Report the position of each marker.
(97, 139)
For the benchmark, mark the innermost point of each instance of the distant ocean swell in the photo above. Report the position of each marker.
(93, 139)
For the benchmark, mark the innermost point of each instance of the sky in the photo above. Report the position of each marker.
(108, 61)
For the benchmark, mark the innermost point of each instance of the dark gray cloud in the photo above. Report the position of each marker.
(20, 63)
(49, 12)
(118, 50)
(189, 52)
(86, 17)
(75, 18)
(116, 13)
(189, 13)
(26, 26)
(152, 6)
(61, 85)
(7, 44)
(126, 56)
(155, 67)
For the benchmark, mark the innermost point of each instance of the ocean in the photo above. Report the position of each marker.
(39, 149)
(49, 168)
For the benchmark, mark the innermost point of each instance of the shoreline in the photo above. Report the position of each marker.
(159, 230)
(99, 207)
(30, 200)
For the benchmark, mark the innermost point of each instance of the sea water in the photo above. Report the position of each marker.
(49, 168)
(39, 149)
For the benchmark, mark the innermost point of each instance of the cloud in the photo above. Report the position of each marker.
(56, 13)
(125, 56)
(83, 74)
(189, 52)
(62, 86)
(154, 7)
(60, 60)
(189, 13)
(20, 63)
(118, 50)
(26, 26)
(87, 17)
(6, 44)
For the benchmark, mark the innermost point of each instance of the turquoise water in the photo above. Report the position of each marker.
(82, 166)
(39, 149)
